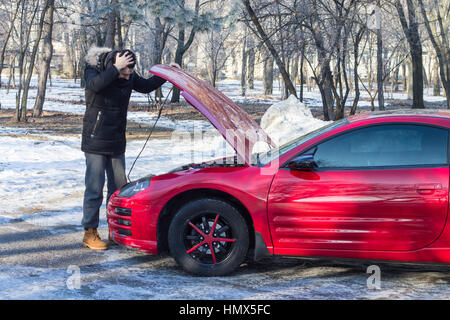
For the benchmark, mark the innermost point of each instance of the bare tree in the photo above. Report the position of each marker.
(439, 39)
(8, 36)
(357, 37)
(26, 21)
(44, 67)
(111, 25)
(328, 24)
(217, 47)
(380, 68)
(182, 44)
(23, 106)
(410, 27)
(266, 40)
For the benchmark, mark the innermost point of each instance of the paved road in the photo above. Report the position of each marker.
(43, 262)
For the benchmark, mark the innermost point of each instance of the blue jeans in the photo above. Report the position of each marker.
(96, 166)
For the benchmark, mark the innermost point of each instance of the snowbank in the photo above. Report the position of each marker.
(288, 119)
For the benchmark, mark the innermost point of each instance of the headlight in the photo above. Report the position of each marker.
(134, 187)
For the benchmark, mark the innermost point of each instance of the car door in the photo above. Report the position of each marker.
(379, 187)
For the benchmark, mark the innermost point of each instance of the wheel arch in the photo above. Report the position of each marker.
(176, 202)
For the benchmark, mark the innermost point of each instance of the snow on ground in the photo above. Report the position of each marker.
(42, 176)
(163, 122)
(41, 171)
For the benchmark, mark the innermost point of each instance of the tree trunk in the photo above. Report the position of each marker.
(251, 63)
(294, 69)
(357, 40)
(111, 26)
(415, 47)
(119, 43)
(370, 66)
(244, 67)
(81, 57)
(410, 81)
(24, 40)
(183, 47)
(268, 73)
(157, 51)
(404, 78)
(395, 76)
(380, 70)
(302, 75)
(285, 92)
(32, 61)
(44, 66)
(235, 69)
(178, 59)
(427, 73)
(214, 76)
(326, 91)
(417, 79)
(70, 65)
(436, 78)
(442, 52)
(12, 69)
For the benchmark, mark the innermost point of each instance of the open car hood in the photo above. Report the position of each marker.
(235, 125)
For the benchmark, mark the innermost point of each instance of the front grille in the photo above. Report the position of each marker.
(124, 222)
(123, 212)
(124, 232)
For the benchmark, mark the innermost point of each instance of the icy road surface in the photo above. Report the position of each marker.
(41, 183)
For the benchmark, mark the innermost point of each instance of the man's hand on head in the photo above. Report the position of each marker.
(123, 60)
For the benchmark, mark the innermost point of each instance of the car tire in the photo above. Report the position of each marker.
(192, 235)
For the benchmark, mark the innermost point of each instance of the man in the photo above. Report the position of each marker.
(109, 79)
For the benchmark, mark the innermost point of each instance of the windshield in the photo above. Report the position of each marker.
(264, 158)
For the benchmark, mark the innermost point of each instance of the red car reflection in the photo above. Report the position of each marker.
(373, 186)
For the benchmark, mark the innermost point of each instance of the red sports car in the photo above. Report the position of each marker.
(372, 186)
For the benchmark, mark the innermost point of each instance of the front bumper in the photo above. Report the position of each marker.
(132, 224)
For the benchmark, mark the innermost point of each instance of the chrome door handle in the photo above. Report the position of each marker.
(428, 188)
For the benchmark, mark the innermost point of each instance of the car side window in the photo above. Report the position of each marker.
(385, 146)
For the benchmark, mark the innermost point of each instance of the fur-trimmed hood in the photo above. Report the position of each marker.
(94, 53)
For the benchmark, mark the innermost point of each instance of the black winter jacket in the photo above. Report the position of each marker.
(107, 99)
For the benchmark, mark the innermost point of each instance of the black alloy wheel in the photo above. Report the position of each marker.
(208, 237)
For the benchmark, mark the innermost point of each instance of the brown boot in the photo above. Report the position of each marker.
(92, 240)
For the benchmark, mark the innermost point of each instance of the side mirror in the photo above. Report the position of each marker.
(304, 163)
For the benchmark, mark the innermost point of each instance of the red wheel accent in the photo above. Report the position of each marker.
(208, 238)
(212, 253)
